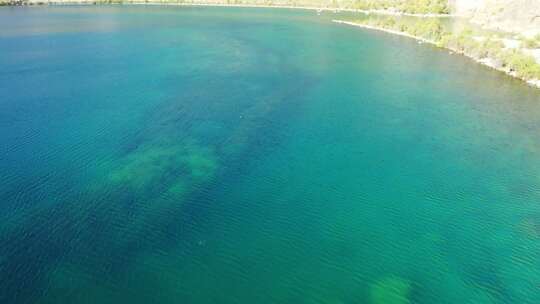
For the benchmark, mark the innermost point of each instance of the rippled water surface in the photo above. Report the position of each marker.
(228, 155)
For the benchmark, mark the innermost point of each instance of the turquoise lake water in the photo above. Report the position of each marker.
(236, 155)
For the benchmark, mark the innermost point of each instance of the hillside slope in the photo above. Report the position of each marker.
(518, 16)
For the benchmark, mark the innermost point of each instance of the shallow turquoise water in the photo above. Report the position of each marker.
(214, 155)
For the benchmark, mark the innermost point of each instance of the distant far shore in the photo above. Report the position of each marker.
(316, 8)
(489, 62)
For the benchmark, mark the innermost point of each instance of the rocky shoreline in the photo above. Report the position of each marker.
(489, 62)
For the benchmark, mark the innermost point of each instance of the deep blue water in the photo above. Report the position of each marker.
(235, 155)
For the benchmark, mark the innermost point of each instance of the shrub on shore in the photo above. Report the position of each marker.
(492, 47)
(430, 29)
(461, 42)
(523, 65)
(406, 6)
(532, 43)
(425, 7)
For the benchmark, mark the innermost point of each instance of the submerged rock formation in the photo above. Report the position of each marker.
(390, 290)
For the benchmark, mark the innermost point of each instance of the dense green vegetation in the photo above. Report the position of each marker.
(524, 65)
(407, 6)
(430, 29)
(465, 42)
